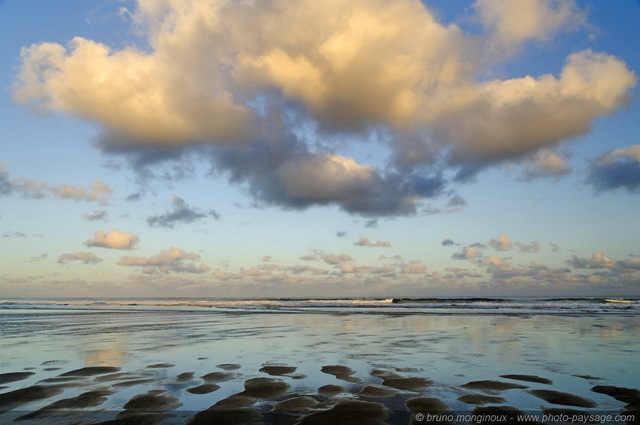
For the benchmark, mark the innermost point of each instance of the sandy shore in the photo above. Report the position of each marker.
(155, 368)
(273, 395)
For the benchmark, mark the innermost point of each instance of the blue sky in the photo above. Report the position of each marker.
(323, 149)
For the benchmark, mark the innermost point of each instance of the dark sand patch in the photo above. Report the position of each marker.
(215, 416)
(235, 401)
(330, 390)
(62, 407)
(385, 374)
(229, 366)
(579, 415)
(589, 377)
(5, 378)
(127, 384)
(51, 369)
(340, 372)
(348, 412)
(374, 391)
(203, 389)
(529, 378)
(631, 396)
(161, 365)
(296, 404)
(218, 376)
(278, 370)
(299, 376)
(426, 405)
(565, 399)
(16, 398)
(84, 400)
(187, 376)
(480, 400)
(92, 370)
(153, 401)
(265, 388)
(492, 387)
(496, 415)
(410, 384)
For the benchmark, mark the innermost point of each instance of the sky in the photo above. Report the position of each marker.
(343, 148)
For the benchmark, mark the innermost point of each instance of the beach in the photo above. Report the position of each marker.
(185, 363)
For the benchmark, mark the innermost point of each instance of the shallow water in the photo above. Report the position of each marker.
(575, 352)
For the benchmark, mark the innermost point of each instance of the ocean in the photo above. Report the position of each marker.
(312, 361)
(524, 305)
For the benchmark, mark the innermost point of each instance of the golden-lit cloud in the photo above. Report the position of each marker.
(501, 243)
(113, 239)
(512, 22)
(83, 257)
(378, 244)
(166, 261)
(29, 188)
(257, 83)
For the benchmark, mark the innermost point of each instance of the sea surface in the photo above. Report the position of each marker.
(120, 351)
(524, 305)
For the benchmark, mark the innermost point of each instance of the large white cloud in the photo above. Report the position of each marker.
(252, 80)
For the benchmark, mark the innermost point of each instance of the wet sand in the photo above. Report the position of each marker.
(267, 399)
(266, 378)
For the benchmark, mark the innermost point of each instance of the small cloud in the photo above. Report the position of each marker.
(456, 201)
(378, 244)
(618, 169)
(454, 205)
(181, 212)
(9, 234)
(83, 257)
(597, 261)
(309, 258)
(113, 239)
(467, 253)
(341, 234)
(266, 259)
(532, 247)
(96, 192)
(501, 243)
(136, 196)
(39, 258)
(413, 267)
(172, 260)
(96, 215)
(334, 259)
(372, 224)
(545, 164)
(447, 242)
